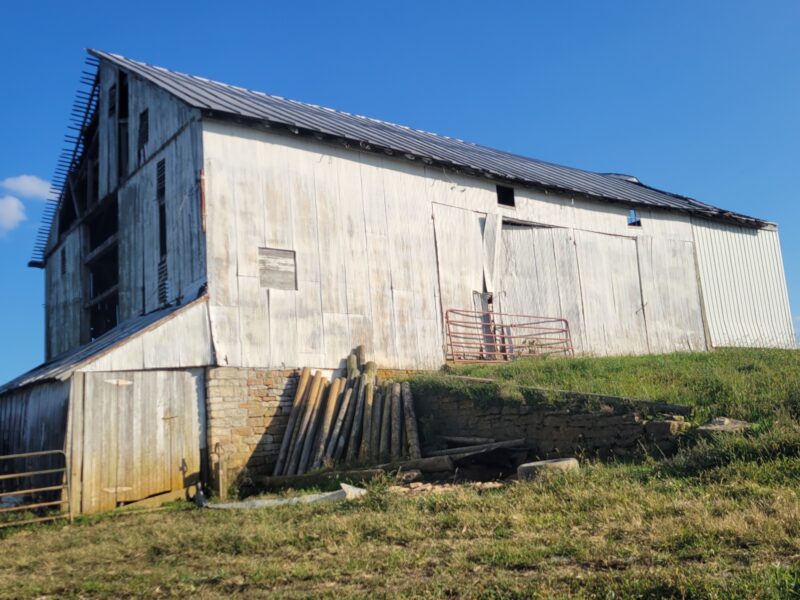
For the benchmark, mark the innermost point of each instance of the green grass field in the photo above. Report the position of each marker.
(721, 519)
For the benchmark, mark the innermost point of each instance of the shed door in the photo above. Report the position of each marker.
(140, 435)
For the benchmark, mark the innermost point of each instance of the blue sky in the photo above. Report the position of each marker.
(696, 97)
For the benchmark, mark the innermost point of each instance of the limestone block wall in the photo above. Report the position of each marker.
(562, 424)
(247, 411)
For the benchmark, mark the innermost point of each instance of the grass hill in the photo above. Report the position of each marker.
(721, 519)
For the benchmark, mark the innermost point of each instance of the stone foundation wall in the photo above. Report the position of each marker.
(555, 429)
(248, 409)
(247, 412)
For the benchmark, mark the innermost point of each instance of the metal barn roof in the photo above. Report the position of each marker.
(219, 99)
(63, 365)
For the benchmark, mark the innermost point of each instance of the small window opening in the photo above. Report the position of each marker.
(63, 261)
(633, 218)
(103, 225)
(104, 273)
(104, 316)
(277, 269)
(122, 127)
(144, 133)
(104, 306)
(112, 100)
(161, 197)
(123, 95)
(505, 196)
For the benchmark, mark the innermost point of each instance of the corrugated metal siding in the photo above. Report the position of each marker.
(31, 420)
(369, 133)
(743, 285)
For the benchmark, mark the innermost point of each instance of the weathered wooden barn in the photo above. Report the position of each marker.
(199, 227)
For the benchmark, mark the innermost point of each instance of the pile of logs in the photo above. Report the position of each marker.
(351, 420)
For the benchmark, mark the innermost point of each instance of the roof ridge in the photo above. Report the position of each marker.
(224, 98)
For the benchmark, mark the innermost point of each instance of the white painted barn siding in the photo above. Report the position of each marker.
(385, 246)
(180, 340)
(744, 286)
(139, 233)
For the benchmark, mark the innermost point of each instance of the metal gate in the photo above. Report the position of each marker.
(42, 487)
(489, 336)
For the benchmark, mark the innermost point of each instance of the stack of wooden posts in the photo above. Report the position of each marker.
(352, 420)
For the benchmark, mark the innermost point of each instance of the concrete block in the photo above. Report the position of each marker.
(532, 470)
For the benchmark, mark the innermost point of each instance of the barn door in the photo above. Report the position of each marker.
(538, 275)
(140, 436)
(459, 255)
(613, 310)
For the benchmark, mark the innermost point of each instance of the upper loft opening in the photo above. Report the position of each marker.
(505, 196)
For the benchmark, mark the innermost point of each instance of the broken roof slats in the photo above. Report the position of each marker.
(83, 107)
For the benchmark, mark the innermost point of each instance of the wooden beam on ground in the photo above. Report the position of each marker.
(469, 450)
(430, 464)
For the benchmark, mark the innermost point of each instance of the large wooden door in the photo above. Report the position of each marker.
(140, 435)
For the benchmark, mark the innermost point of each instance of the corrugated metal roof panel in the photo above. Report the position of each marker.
(225, 99)
(62, 366)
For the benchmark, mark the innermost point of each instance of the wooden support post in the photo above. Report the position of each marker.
(366, 436)
(299, 438)
(386, 423)
(357, 422)
(352, 367)
(396, 438)
(375, 432)
(344, 436)
(410, 421)
(305, 375)
(331, 407)
(222, 476)
(330, 452)
(361, 356)
(311, 431)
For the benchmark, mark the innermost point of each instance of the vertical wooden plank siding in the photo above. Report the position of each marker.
(612, 295)
(671, 295)
(141, 435)
(365, 230)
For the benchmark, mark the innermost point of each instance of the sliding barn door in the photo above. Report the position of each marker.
(538, 275)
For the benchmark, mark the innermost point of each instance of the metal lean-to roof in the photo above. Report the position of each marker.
(222, 100)
(62, 366)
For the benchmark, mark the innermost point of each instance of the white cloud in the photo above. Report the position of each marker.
(12, 213)
(27, 186)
